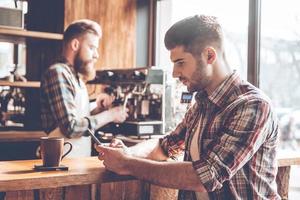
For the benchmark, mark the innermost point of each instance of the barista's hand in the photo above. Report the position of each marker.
(119, 114)
(104, 101)
(114, 159)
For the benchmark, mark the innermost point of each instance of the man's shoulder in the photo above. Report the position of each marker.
(245, 91)
(256, 94)
(253, 98)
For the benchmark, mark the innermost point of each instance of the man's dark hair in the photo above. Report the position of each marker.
(194, 33)
(81, 27)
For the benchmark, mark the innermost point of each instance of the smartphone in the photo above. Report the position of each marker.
(94, 137)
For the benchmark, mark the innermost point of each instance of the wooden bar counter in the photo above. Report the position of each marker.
(87, 179)
(20, 175)
(18, 180)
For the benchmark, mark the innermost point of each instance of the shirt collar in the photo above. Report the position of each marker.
(221, 94)
(71, 68)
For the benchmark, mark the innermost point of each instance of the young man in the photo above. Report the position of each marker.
(229, 136)
(65, 103)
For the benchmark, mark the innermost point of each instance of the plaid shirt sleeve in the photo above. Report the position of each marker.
(174, 144)
(60, 91)
(242, 135)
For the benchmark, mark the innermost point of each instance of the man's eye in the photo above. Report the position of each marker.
(181, 63)
(93, 48)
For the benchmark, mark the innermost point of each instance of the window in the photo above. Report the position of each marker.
(6, 59)
(278, 72)
(280, 65)
(12, 56)
(235, 30)
(7, 63)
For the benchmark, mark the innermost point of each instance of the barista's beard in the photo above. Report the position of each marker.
(86, 69)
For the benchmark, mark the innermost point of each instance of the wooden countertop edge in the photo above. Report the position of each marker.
(288, 161)
(20, 175)
(54, 182)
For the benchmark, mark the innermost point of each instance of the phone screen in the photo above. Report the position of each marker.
(94, 137)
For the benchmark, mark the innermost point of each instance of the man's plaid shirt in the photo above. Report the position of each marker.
(238, 145)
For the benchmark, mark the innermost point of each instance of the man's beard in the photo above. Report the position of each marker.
(199, 79)
(85, 68)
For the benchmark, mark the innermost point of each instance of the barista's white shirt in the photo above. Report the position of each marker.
(81, 145)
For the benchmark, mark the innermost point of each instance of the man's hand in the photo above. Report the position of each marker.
(104, 101)
(114, 159)
(117, 143)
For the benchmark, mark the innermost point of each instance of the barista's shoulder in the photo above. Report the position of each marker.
(58, 67)
(57, 70)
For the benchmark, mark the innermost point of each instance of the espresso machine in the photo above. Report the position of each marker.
(12, 108)
(142, 92)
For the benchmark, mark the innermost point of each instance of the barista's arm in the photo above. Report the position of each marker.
(116, 114)
(103, 102)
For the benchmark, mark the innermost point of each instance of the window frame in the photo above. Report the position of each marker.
(254, 38)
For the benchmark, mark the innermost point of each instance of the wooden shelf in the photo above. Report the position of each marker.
(15, 136)
(32, 34)
(28, 84)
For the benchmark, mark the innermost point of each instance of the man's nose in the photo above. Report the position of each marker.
(175, 73)
(96, 55)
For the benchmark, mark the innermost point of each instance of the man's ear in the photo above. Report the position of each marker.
(210, 54)
(75, 44)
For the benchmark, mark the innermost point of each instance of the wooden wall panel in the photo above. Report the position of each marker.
(132, 190)
(157, 193)
(118, 21)
(19, 195)
(78, 192)
(51, 194)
